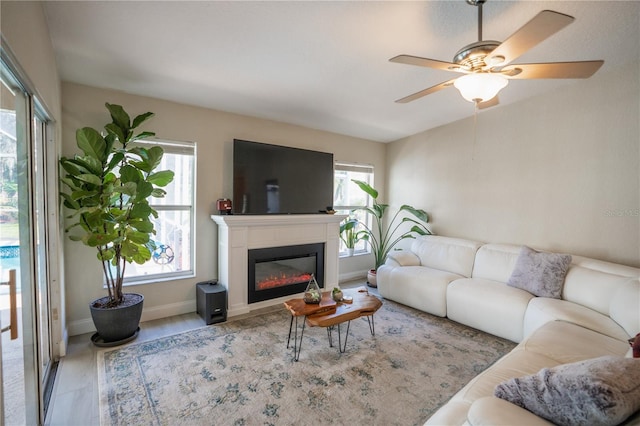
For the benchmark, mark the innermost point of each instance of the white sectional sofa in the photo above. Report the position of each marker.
(466, 281)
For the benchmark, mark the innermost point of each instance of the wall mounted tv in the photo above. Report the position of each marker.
(273, 179)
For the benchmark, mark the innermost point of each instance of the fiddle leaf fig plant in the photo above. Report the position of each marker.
(108, 190)
(384, 238)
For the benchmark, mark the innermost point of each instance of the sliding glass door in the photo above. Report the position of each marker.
(25, 355)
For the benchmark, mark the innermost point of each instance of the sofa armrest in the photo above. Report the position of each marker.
(402, 258)
(495, 411)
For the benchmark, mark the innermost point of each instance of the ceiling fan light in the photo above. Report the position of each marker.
(480, 87)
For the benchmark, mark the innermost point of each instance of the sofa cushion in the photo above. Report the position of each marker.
(565, 342)
(416, 286)
(495, 411)
(598, 391)
(623, 308)
(496, 261)
(514, 364)
(542, 310)
(541, 274)
(402, 258)
(602, 279)
(489, 306)
(446, 254)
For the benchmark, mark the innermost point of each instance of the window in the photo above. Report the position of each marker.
(348, 196)
(175, 238)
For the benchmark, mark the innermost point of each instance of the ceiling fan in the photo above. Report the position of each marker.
(486, 63)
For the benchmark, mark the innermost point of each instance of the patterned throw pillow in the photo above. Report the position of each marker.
(541, 274)
(598, 391)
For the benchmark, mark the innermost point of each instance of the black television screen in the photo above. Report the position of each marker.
(273, 179)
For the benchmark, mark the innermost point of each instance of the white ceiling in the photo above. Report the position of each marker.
(319, 64)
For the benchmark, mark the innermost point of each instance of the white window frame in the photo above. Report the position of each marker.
(184, 148)
(361, 168)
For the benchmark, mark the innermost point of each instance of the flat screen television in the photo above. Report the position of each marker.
(273, 179)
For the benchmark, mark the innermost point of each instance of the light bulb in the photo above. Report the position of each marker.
(480, 87)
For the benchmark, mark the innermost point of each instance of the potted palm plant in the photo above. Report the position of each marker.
(108, 190)
(384, 238)
(349, 235)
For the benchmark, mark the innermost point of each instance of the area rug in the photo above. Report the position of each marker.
(241, 373)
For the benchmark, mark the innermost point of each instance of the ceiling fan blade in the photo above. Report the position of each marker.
(488, 104)
(426, 62)
(542, 26)
(426, 92)
(581, 69)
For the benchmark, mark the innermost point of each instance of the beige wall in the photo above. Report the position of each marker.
(559, 172)
(214, 132)
(26, 33)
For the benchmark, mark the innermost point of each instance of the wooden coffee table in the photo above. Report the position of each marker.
(330, 314)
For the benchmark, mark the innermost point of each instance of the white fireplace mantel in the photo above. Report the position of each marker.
(237, 234)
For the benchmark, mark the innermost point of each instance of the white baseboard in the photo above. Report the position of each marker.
(85, 325)
(352, 276)
(169, 310)
(82, 326)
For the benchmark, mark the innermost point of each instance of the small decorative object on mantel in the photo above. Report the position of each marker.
(312, 294)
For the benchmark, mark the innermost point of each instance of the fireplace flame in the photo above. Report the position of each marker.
(282, 280)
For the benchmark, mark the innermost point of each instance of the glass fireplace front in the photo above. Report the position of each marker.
(281, 271)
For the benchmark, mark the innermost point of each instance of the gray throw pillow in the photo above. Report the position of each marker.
(541, 274)
(598, 391)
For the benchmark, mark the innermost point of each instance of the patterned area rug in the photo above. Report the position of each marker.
(241, 373)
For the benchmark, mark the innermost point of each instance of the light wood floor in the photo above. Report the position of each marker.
(74, 400)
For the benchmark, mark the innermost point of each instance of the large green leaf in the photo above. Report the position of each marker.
(87, 164)
(162, 178)
(119, 117)
(142, 225)
(379, 210)
(106, 255)
(70, 167)
(158, 193)
(420, 230)
(150, 158)
(140, 151)
(69, 202)
(419, 213)
(115, 160)
(140, 211)
(92, 179)
(142, 256)
(141, 119)
(110, 139)
(143, 135)
(130, 174)
(94, 219)
(155, 156)
(82, 194)
(145, 189)
(129, 249)
(71, 183)
(95, 240)
(116, 131)
(128, 188)
(138, 237)
(91, 143)
(367, 188)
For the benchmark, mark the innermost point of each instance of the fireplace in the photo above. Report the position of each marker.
(281, 271)
(240, 234)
